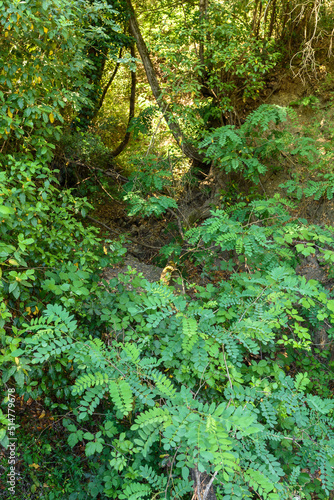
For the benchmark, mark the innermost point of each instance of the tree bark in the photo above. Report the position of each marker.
(188, 149)
(272, 19)
(203, 484)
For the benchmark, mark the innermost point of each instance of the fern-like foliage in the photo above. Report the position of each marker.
(121, 395)
(153, 205)
(195, 382)
(324, 187)
(135, 491)
(243, 149)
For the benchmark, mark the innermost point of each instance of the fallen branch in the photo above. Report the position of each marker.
(109, 173)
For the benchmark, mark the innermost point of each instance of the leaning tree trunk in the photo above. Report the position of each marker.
(188, 149)
(106, 88)
(127, 136)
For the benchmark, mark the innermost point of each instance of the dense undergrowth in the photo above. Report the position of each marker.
(138, 392)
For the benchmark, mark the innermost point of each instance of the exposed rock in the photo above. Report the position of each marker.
(150, 272)
(312, 270)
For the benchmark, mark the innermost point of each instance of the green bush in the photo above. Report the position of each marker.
(152, 384)
(197, 381)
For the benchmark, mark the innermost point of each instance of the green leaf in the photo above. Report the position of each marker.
(90, 449)
(89, 436)
(17, 352)
(5, 210)
(185, 472)
(13, 286)
(19, 378)
(330, 305)
(72, 439)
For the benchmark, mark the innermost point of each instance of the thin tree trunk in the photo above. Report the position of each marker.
(259, 22)
(272, 19)
(188, 149)
(203, 484)
(203, 7)
(106, 88)
(127, 136)
(254, 16)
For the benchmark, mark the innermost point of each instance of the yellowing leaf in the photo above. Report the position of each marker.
(13, 262)
(45, 29)
(42, 415)
(28, 310)
(35, 466)
(105, 250)
(10, 114)
(31, 26)
(52, 118)
(36, 311)
(17, 361)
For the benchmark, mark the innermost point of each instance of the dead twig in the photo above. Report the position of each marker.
(178, 222)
